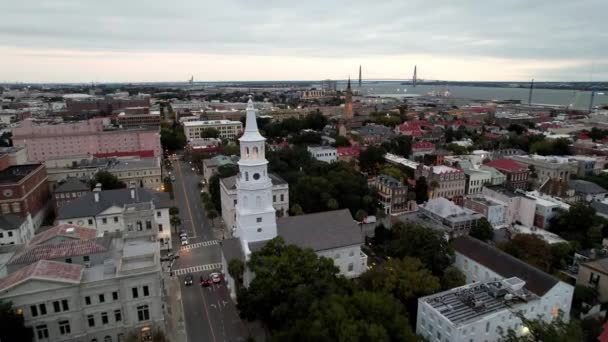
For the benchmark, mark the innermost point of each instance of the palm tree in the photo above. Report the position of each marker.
(175, 222)
(236, 269)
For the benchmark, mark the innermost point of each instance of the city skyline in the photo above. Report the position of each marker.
(71, 41)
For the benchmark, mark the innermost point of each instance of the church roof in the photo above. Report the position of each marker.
(318, 231)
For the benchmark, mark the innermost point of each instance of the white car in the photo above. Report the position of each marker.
(184, 242)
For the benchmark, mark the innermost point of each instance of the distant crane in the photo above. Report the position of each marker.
(414, 78)
(191, 80)
(359, 75)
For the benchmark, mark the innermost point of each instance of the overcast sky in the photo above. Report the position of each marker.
(153, 40)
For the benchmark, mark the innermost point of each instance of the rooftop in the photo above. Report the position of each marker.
(471, 302)
(64, 230)
(505, 264)
(448, 209)
(320, 148)
(72, 184)
(11, 221)
(600, 265)
(44, 270)
(585, 187)
(506, 164)
(15, 173)
(86, 206)
(210, 123)
(62, 250)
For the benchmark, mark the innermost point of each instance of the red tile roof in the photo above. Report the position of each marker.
(44, 270)
(141, 154)
(423, 145)
(65, 230)
(353, 151)
(506, 165)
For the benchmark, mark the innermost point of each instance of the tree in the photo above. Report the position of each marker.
(422, 243)
(392, 171)
(287, 280)
(518, 129)
(370, 158)
(567, 224)
(173, 211)
(332, 204)
(422, 190)
(399, 145)
(212, 215)
(362, 316)
(531, 249)
(556, 147)
(555, 331)
(483, 230)
(223, 171)
(296, 210)
(360, 215)
(13, 328)
(175, 222)
(236, 269)
(210, 133)
(341, 141)
(108, 181)
(452, 277)
(457, 149)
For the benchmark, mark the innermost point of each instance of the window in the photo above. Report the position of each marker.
(42, 308)
(104, 318)
(56, 306)
(146, 291)
(117, 315)
(104, 220)
(160, 227)
(115, 295)
(10, 234)
(234, 202)
(258, 220)
(148, 224)
(91, 320)
(158, 214)
(34, 310)
(64, 305)
(102, 298)
(116, 219)
(487, 327)
(134, 292)
(42, 331)
(282, 197)
(90, 222)
(142, 313)
(351, 267)
(259, 230)
(86, 258)
(274, 198)
(64, 327)
(140, 226)
(352, 253)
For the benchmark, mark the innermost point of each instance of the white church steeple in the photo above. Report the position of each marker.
(255, 215)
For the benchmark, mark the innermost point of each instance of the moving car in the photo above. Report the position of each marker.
(183, 234)
(184, 241)
(205, 281)
(188, 279)
(216, 278)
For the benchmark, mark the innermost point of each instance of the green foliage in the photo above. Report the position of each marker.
(371, 158)
(236, 269)
(214, 183)
(12, 322)
(457, 149)
(452, 277)
(531, 249)
(562, 254)
(546, 147)
(556, 331)
(362, 316)
(411, 240)
(598, 133)
(173, 211)
(517, 129)
(421, 190)
(567, 224)
(399, 145)
(210, 133)
(341, 141)
(360, 215)
(306, 138)
(212, 214)
(231, 149)
(108, 181)
(483, 230)
(584, 294)
(296, 210)
(392, 171)
(272, 130)
(172, 137)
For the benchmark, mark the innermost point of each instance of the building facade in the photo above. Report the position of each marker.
(16, 230)
(24, 191)
(227, 129)
(326, 154)
(549, 167)
(516, 173)
(455, 220)
(520, 208)
(494, 211)
(393, 195)
(82, 138)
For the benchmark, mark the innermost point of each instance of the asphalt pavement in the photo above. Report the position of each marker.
(209, 313)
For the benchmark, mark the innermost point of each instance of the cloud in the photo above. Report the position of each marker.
(521, 31)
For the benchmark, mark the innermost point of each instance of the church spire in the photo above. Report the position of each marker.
(348, 86)
(251, 125)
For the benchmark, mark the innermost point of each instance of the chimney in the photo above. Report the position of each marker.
(132, 189)
(97, 192)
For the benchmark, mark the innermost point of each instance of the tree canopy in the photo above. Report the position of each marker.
(567, 224)
(483, 230)
(12, 324)
(530, 248)
(371, 158)
(108, 181)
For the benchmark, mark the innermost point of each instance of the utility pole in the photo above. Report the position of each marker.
(531, 91)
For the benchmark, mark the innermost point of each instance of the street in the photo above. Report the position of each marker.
(209, 313)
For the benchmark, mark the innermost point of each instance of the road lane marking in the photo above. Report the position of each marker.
(197, 268)
(200, 244)
(207, 314)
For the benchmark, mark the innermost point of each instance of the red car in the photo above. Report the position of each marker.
(205, 281)
(216, 278)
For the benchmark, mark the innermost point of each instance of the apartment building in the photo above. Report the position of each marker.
(227, 129)
(326, 154)
(455, 220)
(516, 173)
(393, 195)
(24, 191)
(549, 167)
(89, 137)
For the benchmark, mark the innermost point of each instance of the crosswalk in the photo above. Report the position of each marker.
(197, 268)
(199, 244)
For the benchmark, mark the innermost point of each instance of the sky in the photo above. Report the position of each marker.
(153, 40)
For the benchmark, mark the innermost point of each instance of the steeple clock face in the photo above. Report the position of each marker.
(256, 176)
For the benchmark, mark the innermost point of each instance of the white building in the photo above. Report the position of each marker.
(113, 210)
(99, 289)
(16, 230)
(520, 208)
(228, 195)
(333, 234)
(494, 211)
(326, 154)
(228, 129)
(545, 167)
(476, 179)
(499, 285)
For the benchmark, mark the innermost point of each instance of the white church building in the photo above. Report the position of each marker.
(332, 234)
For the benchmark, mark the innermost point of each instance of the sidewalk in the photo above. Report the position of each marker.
(174, 314)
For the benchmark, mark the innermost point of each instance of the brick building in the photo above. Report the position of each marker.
(516, 173)
(24, 190)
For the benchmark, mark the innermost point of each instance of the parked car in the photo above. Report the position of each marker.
(173, 178)
(183, 234)
(184, 241)
(188, 279)
(216, 278)
(205, 281)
